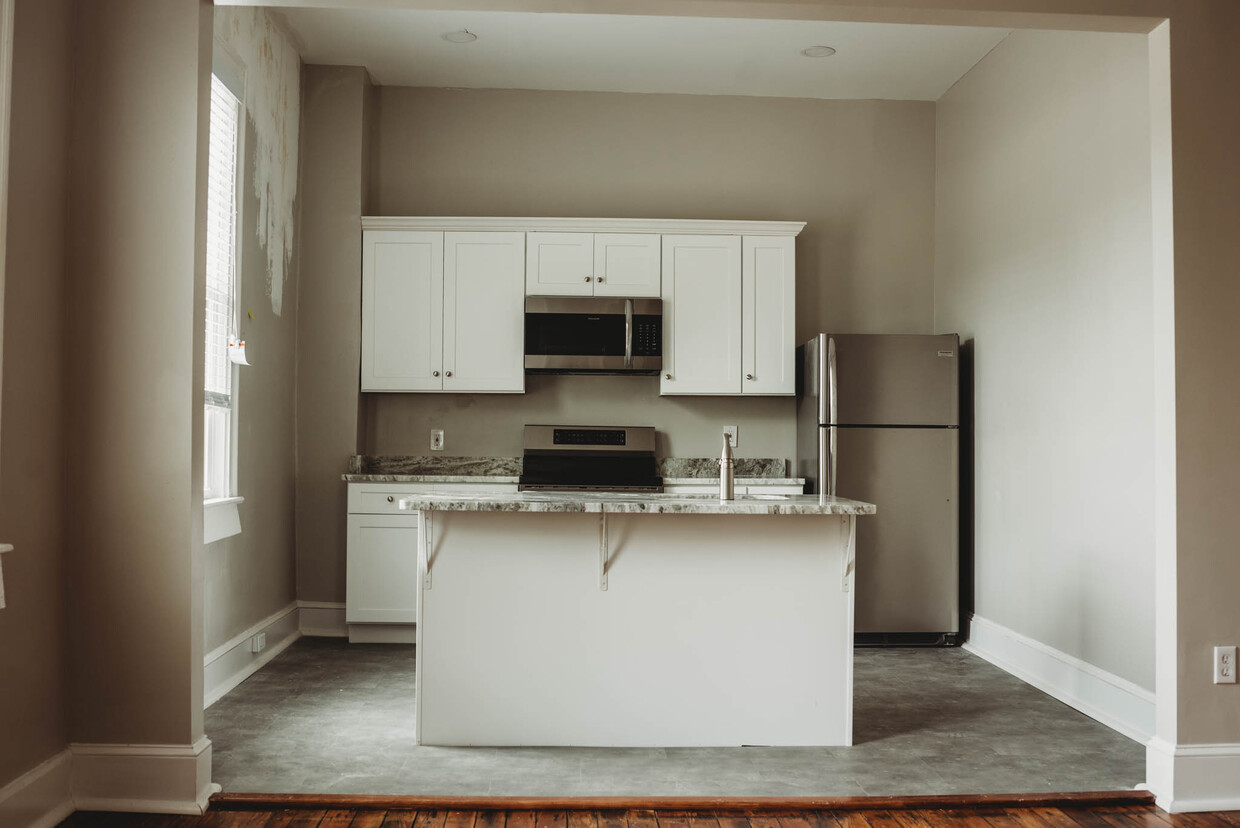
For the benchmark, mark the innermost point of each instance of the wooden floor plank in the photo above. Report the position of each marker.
(432, 818)
(611, 819)
(337, 818)
(460, 819)
(882, 819)
(642, 819)
(732, 821)
(794, 821)
(580, 819)
(549, 819)
(756, 821)
(696, 821)
(405, 817)
(520, 819)
(372, 819)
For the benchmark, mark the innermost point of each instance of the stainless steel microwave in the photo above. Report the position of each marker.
(593, 335)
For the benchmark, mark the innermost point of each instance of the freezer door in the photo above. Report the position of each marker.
(907, 553)
(897, 379)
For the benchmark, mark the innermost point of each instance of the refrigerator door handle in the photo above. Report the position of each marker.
(832, 415)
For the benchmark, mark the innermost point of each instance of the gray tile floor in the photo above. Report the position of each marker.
(329, 717)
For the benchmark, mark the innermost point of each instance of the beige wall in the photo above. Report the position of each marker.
(329, 416)
(1043, 260)
(861, 173)
(32, 471)
(134, 425)
(250, 576)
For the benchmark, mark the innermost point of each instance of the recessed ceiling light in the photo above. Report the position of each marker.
(463, 36)
(818, 51)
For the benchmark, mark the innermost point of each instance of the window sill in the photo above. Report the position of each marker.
(220, 518)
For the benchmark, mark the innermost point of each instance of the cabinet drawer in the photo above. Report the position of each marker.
(384, 498)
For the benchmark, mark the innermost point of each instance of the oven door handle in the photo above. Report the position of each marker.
(628, 333)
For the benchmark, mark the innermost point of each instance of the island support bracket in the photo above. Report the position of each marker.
(848, 528)
(426, 527)
(602, 552)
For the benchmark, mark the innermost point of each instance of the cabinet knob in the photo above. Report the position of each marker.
(667, 376)
(447, 373)
(587, 278)
(599, 279)
(391, 499)
(749, 376)
(434, 373)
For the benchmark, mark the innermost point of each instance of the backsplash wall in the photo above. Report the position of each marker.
(491, 424)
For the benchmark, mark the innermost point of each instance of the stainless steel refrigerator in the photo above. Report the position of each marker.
(878, 420)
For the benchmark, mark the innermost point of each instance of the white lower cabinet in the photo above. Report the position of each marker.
(382, 570)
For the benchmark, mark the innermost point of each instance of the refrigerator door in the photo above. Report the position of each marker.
(897, 380)
(907, 554)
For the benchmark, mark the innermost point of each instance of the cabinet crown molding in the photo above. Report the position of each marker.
(453, 224)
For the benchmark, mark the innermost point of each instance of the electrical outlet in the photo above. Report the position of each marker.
(436, 439)
(1225, 665)
(731, 431)
(258, 643)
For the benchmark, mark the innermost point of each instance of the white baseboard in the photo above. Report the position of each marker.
(162, 779)
(323, 619)
(1193, 778)
(41, 797)
(1116, 702)
(232, 662)
(383, 634)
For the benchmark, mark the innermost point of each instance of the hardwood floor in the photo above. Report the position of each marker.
(1104, 812)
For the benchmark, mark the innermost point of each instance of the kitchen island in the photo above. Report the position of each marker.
(634, 620)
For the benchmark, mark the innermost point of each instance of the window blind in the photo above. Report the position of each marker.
(221, 242)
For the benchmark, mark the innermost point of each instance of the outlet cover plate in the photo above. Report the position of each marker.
(1225, 665)
(732, 431)
(436, 439)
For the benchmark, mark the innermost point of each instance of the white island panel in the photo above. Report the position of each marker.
(712, 630)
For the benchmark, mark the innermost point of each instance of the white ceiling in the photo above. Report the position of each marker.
(622, 53)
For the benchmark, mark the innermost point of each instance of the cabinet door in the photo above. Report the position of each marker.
(559, 264)
(626, 264)
(484, 312)
(402, 310)
(701, 315)
(768, 301)
(381, 573)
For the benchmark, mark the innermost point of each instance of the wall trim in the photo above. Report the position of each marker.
(232, 662)
(162, 779)
(583, 225)
(1115, 702)
(1193, 778)
(41, 797)
(322, 619)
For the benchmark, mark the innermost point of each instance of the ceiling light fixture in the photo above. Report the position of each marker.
(463, 36)
(818, 51)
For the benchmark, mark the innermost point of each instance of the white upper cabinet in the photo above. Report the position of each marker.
(592, 264)
(484, 312)
(768, 322)
(402, 310)
(626, 264)
(701, 315)
(559, 264)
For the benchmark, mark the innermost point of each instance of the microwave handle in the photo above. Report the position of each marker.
(628, 333)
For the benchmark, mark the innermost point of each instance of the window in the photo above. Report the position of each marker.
(219, 395)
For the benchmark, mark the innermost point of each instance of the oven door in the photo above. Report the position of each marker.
(593, 335)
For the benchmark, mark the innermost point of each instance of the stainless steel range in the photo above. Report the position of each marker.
(589, 459)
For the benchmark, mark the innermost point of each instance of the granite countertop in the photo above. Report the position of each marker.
(676, 471)
(611, 503)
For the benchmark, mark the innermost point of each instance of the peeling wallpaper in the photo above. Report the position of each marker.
(273, 103)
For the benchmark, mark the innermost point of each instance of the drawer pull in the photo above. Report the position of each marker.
(391, 499)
